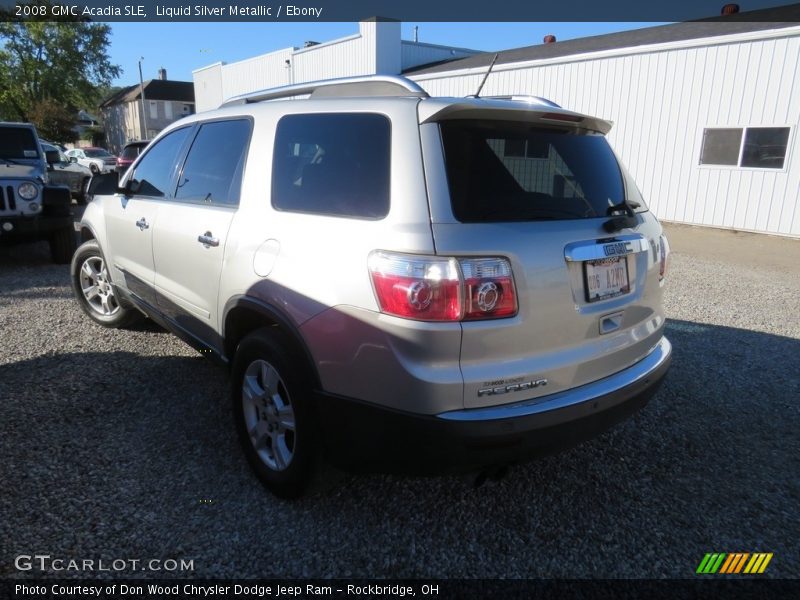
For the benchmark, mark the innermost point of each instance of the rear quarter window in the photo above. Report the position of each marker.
(334, 164)
(509, 171)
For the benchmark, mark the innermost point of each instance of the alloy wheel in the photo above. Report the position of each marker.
(96, 287)
(268, 415)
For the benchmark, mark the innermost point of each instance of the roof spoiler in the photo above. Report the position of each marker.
(543, 113)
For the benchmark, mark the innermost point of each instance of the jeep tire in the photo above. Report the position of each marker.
(62, 245)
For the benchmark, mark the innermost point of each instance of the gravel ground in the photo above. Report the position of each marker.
(119, 444)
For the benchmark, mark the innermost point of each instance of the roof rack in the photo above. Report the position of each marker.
(368, 85)
(523, 98)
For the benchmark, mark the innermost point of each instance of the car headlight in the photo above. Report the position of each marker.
(27, 191)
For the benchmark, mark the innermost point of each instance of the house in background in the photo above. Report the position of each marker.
(165, 102)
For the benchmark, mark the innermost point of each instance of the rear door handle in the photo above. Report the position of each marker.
(142, 224)
(208, 239)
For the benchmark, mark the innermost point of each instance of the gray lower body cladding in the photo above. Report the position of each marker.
(366, 437)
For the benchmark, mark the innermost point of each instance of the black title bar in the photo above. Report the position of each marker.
(341, 589)
(402, 10)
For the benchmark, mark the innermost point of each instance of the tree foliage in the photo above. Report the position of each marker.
(53, 120)
(56, 63)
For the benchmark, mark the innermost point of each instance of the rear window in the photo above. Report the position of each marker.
(97, 153)
(507, 171)
(131, 152)
(333, 164)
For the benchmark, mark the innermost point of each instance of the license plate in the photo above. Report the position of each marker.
(606, 278)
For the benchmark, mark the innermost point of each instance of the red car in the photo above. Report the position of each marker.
(130, 152)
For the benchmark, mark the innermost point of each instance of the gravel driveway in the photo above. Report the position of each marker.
(119, 444)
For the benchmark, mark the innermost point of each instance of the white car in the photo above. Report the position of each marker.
(99, 160)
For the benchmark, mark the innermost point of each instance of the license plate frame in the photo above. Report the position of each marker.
(600, 268)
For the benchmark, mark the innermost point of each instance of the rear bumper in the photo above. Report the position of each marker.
(366, 437)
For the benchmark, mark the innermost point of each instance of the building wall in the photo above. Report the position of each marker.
(123, 122)
(115, 124)
(267, 70)
(414, 54)
(375, 49)
(208, 87)
(661, 98)
(160, 114)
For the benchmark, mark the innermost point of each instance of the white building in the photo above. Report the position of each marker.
(375, 49)
(706, 113)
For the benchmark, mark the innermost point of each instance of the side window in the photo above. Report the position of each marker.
(333, 164)
(213, 169)
(154, 172)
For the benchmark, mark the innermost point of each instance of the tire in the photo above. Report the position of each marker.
(84, 190)
(94, 169)
(94, 292)
(62, 245)
(272, 407)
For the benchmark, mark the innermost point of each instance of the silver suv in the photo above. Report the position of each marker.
(395, 280)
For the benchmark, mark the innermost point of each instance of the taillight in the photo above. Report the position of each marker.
(488, 289)
(430, 288)
(663, 265)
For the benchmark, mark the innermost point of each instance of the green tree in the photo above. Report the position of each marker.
(53, 120)
(60, 63)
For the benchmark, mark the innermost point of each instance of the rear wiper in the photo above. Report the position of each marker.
(627, 219)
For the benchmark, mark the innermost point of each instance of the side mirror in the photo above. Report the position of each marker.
(73, 159)
(104, 184)
(52, 157)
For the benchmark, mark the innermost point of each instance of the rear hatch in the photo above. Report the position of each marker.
(542, 188)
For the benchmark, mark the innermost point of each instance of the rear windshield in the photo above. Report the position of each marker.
(97, 153)
(17, 142)
(131, 152)
(511, 171)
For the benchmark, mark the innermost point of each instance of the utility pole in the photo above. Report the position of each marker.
(141, 85)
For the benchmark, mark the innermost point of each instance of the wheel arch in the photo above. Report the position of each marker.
(86, 233)
(243, 315)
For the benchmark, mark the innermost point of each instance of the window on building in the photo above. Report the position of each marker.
(765, 147)
(753, 147)
(721, 146)
(168, 110)
(154, 172)
(153, 109)
(333, 164)
(213, 169)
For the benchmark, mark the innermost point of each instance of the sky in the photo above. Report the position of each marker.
(181, 48)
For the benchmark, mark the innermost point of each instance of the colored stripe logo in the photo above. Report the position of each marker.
(734, 563)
